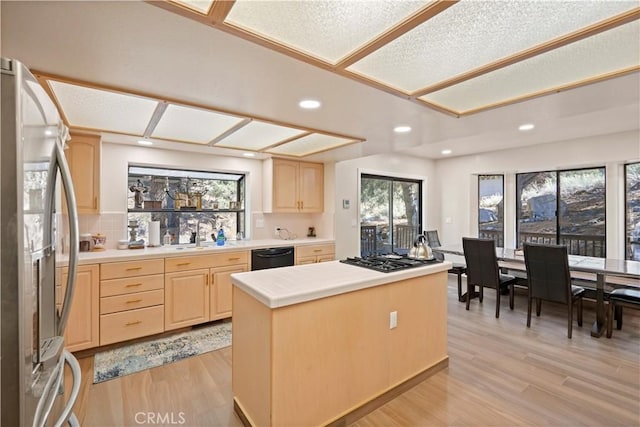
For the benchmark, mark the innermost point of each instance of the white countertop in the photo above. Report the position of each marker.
(280, 287)
(114, 255)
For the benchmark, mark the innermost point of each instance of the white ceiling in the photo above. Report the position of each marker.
(139, 47)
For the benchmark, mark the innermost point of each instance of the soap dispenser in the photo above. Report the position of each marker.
(221, 238)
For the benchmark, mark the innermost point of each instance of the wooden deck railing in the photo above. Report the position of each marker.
(577, 244)
(496, 235)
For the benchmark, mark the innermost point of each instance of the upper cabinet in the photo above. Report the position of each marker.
(83, 156)
(293, 186)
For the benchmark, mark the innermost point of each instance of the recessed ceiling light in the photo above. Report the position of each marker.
(249, 154)
(145, 142)
(445, 152)
(48, 132)
(526, 127)
(402, 129)
(309, 104)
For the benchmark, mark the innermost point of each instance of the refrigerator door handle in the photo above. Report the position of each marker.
(67, 414)
(73, 233)
(49, 393)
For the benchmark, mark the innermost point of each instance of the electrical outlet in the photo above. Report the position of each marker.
(393, 319)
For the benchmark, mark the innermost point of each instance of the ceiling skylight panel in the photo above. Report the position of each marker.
(103, 110)
(471, 34)
(193, 124)
(258, 135)
(607, 52)
(201, 6)
(328, 30)
(310, 144)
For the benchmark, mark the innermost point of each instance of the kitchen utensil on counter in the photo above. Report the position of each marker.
(123, 244)
(86, 242)
(420, 249)
(154, 233)
(99, 242)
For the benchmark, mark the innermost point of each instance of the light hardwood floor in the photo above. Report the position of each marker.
(500, 374)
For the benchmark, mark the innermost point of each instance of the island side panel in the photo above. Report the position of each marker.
(251, 357)
(332, 355)
(422, 326)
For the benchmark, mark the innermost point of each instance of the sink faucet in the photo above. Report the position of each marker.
(198, 233)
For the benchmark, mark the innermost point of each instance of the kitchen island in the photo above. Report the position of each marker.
(315, 344)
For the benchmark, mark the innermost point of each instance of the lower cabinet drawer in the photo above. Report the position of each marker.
(131, 324)
(130, 285)
(131, 301)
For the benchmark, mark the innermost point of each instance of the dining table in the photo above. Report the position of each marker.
(610, 271)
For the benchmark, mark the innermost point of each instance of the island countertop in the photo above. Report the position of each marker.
(280, 287)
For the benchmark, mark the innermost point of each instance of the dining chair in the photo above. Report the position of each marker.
(483, 271)
(549, 279)
(619, 298)
(458, 269)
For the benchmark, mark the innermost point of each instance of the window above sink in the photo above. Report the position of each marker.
(181, 199)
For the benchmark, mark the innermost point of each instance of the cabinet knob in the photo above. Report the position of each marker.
(182, 264)
(133, 285)
(137, 322)
(134, 268)
(133, 301)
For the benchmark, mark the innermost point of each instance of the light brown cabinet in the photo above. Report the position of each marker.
(293, 186)
(83, 156)
(131, 300)
(198, 288)
(187, 298)
(82, 330)
(315, 253)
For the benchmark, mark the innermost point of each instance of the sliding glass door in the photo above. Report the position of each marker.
(632, 210)
(390, 214)
(565, 207)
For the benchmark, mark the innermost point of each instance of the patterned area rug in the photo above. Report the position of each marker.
(138, 357)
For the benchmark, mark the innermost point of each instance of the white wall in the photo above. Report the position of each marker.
(457, 181)
(347, 182)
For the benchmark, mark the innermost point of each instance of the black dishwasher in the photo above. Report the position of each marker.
(271, 258)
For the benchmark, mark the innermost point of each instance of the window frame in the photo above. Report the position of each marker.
(502, 232)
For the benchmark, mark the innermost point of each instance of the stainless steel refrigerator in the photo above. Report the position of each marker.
(32, 163)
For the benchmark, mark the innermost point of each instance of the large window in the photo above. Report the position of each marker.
(491, 208)
(182, 200)
(390, 214)
(632, 210)
(563, 206)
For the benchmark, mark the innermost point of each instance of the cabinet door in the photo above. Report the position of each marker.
(221, 289)
(83, 156)
(82, 330)
(186, 298)
(305, 260)
(285, 186)
(311, 187)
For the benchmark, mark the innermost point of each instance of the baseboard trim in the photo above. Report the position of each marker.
(371, 405)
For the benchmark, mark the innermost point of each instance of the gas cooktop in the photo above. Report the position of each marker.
(389, 263)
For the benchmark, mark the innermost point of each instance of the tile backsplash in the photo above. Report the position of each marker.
(114, 225)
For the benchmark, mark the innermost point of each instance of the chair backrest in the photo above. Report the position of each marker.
(481, 260)
(548, 271)
(368, 244)
(432, 238)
